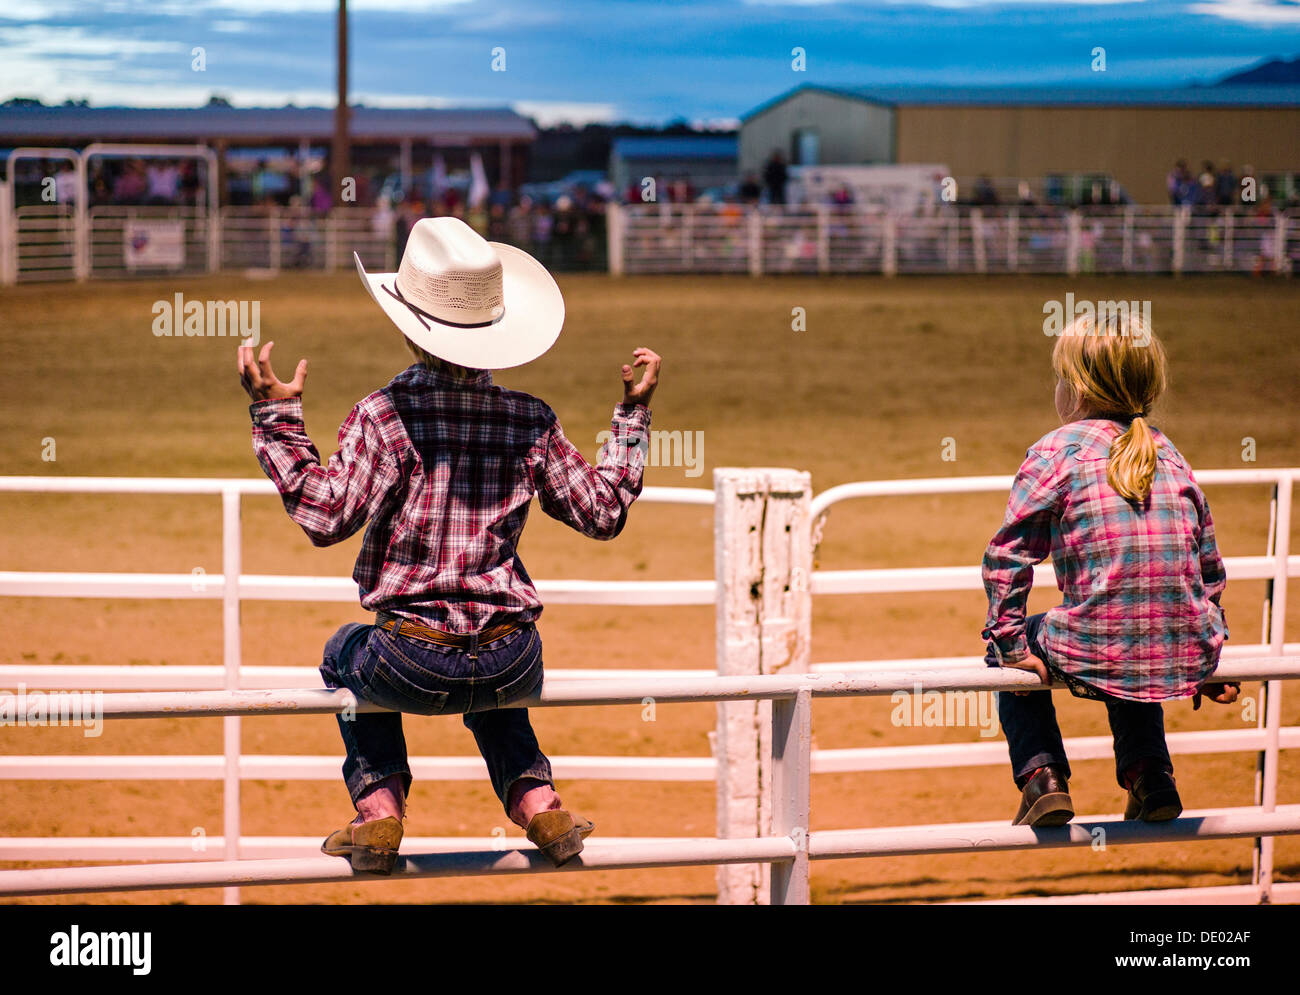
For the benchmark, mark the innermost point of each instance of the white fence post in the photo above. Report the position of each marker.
(823, 240)
(762, 561)
(273, 240)
(1181, 215)
(1013, 240)
(1281, 263)
(212, 217)
(1073, 229)
(8, 269)
(1273, 689)
(792, 794)
(614, 236)
(755, 242)
(977, 240)
(1126, 240)
(231, 568)
(889, 250)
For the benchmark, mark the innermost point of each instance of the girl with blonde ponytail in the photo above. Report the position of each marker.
(1116, 506)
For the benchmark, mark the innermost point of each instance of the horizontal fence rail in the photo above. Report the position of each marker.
(949, 238)
(232, 691)
(630, 854)
(790, 852)
(624, 691)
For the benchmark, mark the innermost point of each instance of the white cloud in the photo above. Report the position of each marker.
(548, 112)
(1250, 11)
(951, 4)
(323, 6)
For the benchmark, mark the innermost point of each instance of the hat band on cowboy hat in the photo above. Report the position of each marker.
(479, 304)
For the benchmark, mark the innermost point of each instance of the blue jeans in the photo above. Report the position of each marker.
(411, 675)
(1034, 737)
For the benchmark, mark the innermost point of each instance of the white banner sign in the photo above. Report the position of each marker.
(154, 244)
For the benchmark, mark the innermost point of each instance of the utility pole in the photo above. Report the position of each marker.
(340, 165)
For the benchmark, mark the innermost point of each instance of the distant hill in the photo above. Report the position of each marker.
(1274, 72)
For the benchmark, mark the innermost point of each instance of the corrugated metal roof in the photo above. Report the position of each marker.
(676, 147)
(31, 124)
(1057, 96)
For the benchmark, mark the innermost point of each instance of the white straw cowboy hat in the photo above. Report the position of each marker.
(474, 303)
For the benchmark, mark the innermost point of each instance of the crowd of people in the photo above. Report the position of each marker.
(1212, 187)
(158, 182)
(567, 233)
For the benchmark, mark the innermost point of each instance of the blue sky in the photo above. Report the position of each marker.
(637, 60)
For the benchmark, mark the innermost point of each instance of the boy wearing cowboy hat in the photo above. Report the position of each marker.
(443, 465)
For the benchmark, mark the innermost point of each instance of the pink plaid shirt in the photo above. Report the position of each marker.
(444, 471)
(1140, 617)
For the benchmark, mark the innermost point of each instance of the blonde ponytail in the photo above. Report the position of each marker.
(1117, 370)
(1132, 465)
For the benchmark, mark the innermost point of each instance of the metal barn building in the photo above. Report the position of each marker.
(1134, 135)
(705, 160)
(402, 139)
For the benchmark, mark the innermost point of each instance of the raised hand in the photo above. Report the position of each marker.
(259, 379)
(640, 393)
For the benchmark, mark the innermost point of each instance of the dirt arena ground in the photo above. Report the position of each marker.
(884, 371)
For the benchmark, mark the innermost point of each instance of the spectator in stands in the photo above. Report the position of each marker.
(100, 193)
(189, 184)
(163, 180)
(543, 225)
(775, 176)
(985, 194)
(131, 183)
(65, 185)
(751, 191)
(1206, 193)
(321, 201)
(261, 182)
(1226, 191)
(1179, 183)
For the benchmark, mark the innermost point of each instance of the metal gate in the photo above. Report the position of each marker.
(44, 221)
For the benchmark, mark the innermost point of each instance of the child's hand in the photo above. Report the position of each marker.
(640, 393)
(260, 380)
(1033, 665)
(1223, 692)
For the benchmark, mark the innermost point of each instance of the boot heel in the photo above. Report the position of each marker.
(373, 859)
(1055, 809)
(1161, 807)
(561, 851)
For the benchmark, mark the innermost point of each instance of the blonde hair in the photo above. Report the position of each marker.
(1117, 369)
(431, 362)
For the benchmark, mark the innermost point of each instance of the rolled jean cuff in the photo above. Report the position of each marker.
(358, 781)
(537, 772)
(1043, 759)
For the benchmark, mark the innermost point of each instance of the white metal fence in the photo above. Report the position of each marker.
(48, 242)
(729, 238)
(65, 237)
(766, 528)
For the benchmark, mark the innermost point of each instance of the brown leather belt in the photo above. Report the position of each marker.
(399, 626)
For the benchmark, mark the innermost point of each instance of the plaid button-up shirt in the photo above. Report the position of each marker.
(444, 470)
(1141, 618)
